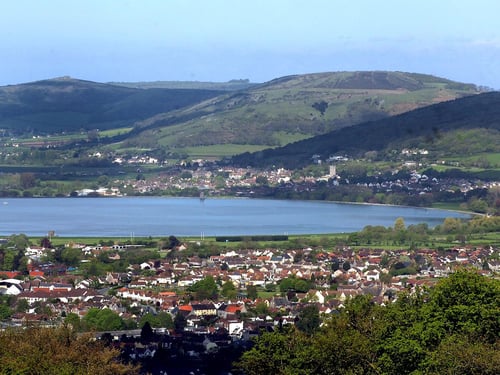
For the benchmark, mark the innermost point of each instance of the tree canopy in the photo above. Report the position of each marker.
(205, 289)
(37, 350)
(452, 328)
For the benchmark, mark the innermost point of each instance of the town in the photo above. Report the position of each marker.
(336, 178)
(194, 304)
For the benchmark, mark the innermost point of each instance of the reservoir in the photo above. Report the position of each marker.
(162, 217)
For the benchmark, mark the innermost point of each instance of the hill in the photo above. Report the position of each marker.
(293, 108)
(70, 105)
(428, 127)
(233, 85)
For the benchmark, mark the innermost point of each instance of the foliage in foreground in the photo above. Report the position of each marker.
(38, 350)
(453, 328)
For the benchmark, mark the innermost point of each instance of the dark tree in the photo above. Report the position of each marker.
(335, 265)
(173, 242)
(147, 333)
(27, 180)
(45, 243)
(179, 322)
(252, 292)
(308, 319)
(320, 106)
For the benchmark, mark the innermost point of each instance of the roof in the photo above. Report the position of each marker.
(233, 308)
(185, 307)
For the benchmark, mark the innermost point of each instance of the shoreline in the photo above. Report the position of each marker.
(230, 197)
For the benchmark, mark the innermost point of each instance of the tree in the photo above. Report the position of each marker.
(180, 322)
(399, 225)
(272, 354)
(18, 241)
(346, 266)
(252, 292)
(161, 320)
(229, 290)
(261, 308)
(452, 328)
(22, 305)
(456, 354)
(5, 311)
(205, 289)
(173, 242)
(165, 320)
(147, 333)
(295, 284)
(93, 135)
(467, 303)
(27, 180)
(320, 106)
(335, 264)
(70, 256)
(451, 225)
(73, 321)
(309, 319)
(102, 320)
(45, 243)
(57, 351)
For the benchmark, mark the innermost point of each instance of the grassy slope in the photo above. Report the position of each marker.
(429, 127)
(281, 111)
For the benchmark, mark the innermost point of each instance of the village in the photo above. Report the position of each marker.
(327, 177)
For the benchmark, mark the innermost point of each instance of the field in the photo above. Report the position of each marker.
(322, 241)
(219, 151)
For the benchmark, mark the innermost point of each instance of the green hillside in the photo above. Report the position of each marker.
(215, 123)
(70, 105)
(293, 108)
(461, 127)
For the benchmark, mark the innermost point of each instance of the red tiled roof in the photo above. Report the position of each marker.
(233, 309)
(186, 308)
(10, 274)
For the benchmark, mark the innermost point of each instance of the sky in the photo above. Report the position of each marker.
(259, 40)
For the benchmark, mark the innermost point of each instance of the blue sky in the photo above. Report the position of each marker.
(216, 40)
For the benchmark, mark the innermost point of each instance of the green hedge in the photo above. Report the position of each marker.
(251, 238)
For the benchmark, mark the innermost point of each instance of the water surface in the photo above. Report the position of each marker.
(158, 216)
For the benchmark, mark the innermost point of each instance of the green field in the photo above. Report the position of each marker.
(114, 132)
(219, 151)
(322, 241)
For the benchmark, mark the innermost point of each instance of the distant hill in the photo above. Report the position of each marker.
(233, 85)
(69, 105)
(184, 117)
(427, 127)
(296, 107)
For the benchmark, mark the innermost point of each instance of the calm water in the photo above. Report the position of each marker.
(140, 216)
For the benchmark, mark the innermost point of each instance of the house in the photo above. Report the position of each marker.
(10, 287)
(203, 309)
(65, 296)
(372, 275)
(36, 273)
(234, 327)
(231, 310)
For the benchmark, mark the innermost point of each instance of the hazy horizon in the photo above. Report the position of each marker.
(217, 41)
